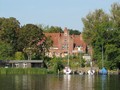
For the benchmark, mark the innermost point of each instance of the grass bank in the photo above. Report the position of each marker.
(23, 71)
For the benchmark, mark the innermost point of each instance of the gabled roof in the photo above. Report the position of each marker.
(78, 41)
(54, 37)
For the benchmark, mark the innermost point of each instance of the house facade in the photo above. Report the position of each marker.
(23, 64)
(64, 44)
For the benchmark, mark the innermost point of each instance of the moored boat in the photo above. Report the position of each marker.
(91, 72)
(67, 70)
(103, 71)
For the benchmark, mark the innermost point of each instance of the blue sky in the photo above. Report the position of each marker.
(62, 13)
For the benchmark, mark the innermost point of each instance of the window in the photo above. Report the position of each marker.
(65, 40)
(65, 46)
(16, 65)
(24, 65)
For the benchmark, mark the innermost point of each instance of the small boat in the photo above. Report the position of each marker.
(103, 71)
(91, 72)
(67, 70)
(81, 73)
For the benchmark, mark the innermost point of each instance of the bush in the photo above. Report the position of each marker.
(19, 56)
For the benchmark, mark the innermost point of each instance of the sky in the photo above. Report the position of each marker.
(61, 13)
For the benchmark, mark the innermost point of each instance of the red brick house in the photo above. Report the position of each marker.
(63, 43)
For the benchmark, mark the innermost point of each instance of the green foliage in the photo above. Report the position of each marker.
(56, 64)
(29, 36)
(14, 38)
(77, 61)
(55, 29)
(19, 56)
(9, 28)
(5, 51)
(52, 29)
(9, 31)
(103, 30)
(75, 32)
(33, 42)
(82, 63)
(8, 71)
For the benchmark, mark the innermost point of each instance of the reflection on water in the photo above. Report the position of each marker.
(59, 82)
(104, 82)
(90, 82)
(66, 82)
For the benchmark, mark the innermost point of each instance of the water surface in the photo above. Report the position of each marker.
(59, 82)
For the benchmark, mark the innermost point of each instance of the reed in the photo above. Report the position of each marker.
(23, 71)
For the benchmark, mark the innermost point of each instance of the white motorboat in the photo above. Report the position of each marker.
(81, 73)
(67, 70)
(91, 72)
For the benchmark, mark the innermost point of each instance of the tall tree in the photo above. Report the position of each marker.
(101, 31)
(9, 28)
(32, 41)
(115, 33)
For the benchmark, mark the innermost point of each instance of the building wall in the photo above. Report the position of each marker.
(63, 43)
(26, 63)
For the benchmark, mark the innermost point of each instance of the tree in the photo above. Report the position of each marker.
(75, 32)
(9, 28)
(52, 29)
(29, 36)
(103, 30)
(5, 51)
(32, 41)
(94, 31)
(115, 41)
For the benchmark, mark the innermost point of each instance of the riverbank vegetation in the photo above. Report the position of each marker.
(57, 64)
(23, 71)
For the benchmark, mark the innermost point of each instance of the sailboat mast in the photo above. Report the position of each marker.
(68, 47)
(102, 56)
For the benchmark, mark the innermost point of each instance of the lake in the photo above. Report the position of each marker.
(59, 82)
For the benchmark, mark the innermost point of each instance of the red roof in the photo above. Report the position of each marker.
(78, 40)
(54, 37)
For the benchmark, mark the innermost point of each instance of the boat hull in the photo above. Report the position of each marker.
(67, 70)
